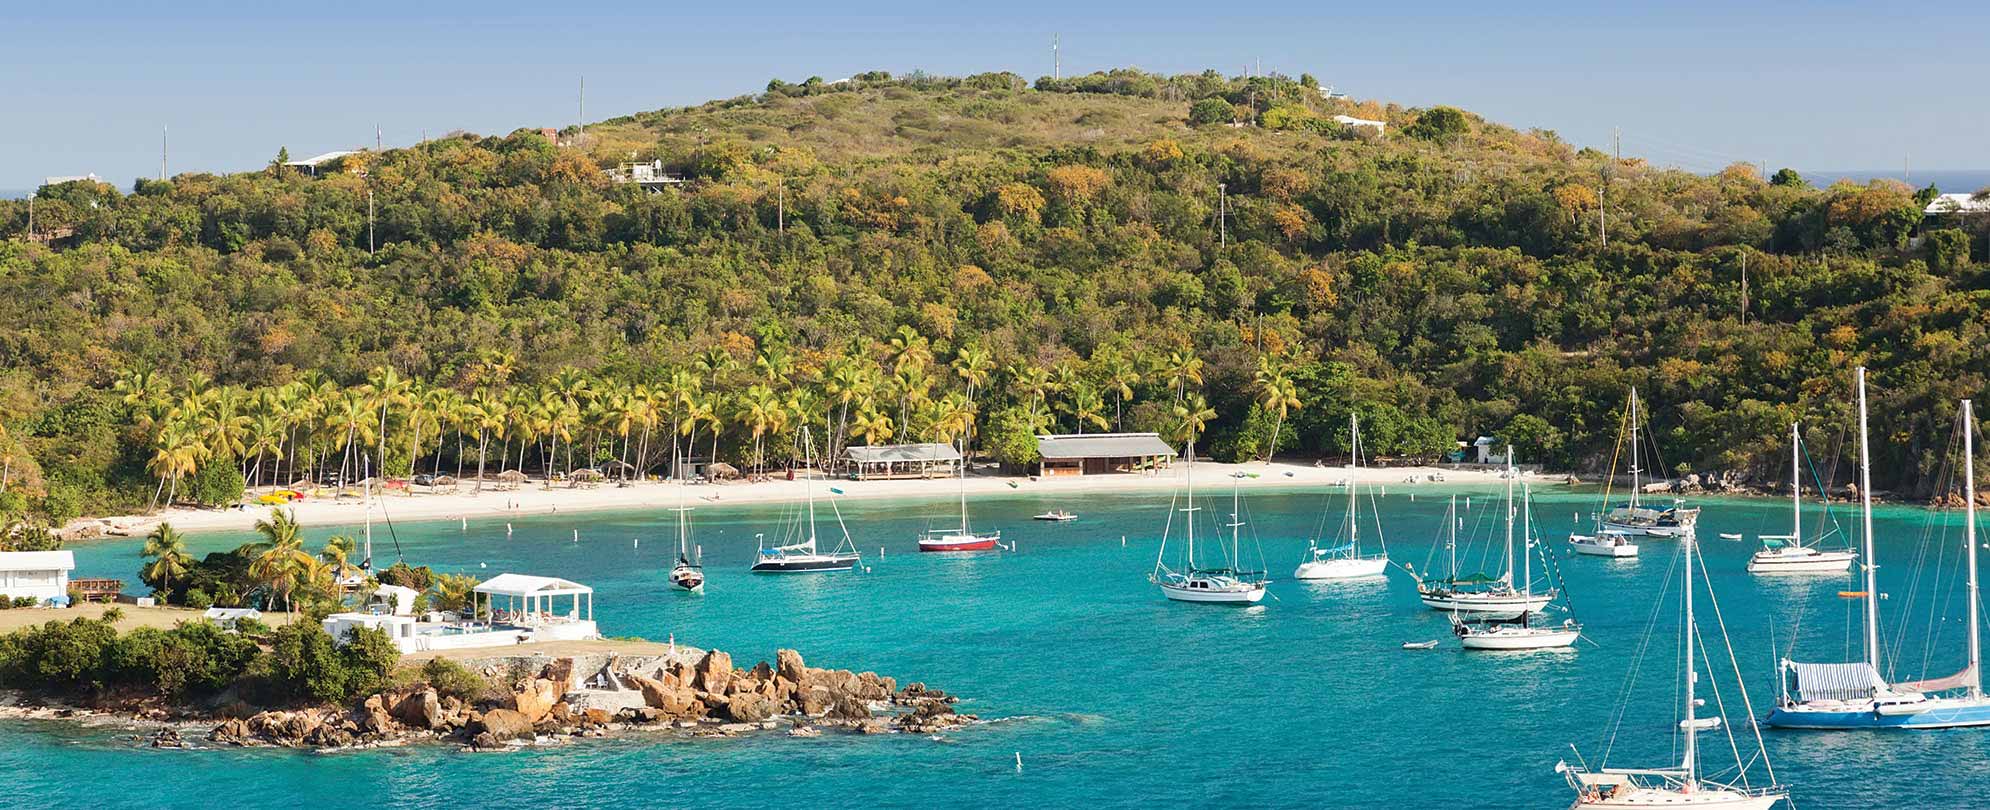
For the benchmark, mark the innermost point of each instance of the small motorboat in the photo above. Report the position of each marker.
(1420, 645)
(1058, 515)
(1730, 536)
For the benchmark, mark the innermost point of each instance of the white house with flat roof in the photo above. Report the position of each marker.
(41, 575)
(1352, 122)
(505, 610)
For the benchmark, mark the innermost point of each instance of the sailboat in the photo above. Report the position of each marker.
(1526, 631)
(963, 538)
(1213, 585)
(687, 574)
(1490, 597)
(1853, 695)
(1345, 561)
(1682, 785)
(1786, 553)
(803, 556)
(1635, 518)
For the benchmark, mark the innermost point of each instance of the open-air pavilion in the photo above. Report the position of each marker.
(931, 460)
(530, 599)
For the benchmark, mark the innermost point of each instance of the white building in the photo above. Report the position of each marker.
(311, 165)
(41, 575)
(1352, 122)
(1487, 449)
(507, 609)
(70, 178)
(1958, 204)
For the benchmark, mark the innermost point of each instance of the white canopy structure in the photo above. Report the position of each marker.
(529, 599)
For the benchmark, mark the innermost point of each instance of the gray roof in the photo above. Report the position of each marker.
(901, 453)
(1103, 445)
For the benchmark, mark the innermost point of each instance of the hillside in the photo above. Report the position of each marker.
(893, 258)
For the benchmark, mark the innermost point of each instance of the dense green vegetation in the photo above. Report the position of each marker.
(922, 257)
(301, 664)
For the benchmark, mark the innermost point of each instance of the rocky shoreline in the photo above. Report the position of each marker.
(566, 698)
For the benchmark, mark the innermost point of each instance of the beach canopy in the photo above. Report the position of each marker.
(525, 585)
(901, 453)
(303, 483)
(511, 475)
(443, 481)
(1103, 445)
(586, 474)
(720, 469)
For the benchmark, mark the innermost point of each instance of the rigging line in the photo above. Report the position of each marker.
(1637, 664)
(1747, 703)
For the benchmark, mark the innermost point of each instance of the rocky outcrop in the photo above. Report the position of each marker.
(713, 673)
(749, 707)
(421, 709)
(501, 725)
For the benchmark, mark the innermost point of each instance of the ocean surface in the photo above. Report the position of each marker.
(1950, 181)
(1115, 697)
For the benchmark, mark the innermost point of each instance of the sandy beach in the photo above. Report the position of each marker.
(535, 498)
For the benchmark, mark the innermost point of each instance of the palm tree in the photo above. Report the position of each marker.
(389, 390)
(485, 412)
(953, 416)
(1086, 405)
(222, 425)
(1120, 375)
(146, 393)
(265, 438)
(973, 365)
(351, 417)
(282, 563)
(1032, 380)
(337, 553)
(1191, 415)
(872, 425)
(176, 453)
(763, 413)
(909, 348)
(1182, 368)
(1278, 394)
(166, 550)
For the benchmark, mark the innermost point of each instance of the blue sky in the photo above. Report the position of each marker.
(86, 86)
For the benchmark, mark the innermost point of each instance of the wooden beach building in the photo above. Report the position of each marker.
(930, 460)
(1102, 453)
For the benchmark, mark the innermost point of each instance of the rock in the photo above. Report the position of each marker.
(873, 727)
(504, 724)
(421, 709)
(789, 665)
(560, 671)
(850, 708)
(536, 699)
(597, 717)
(749, 707)
(485, 741)
(815, 700)
(713, 672)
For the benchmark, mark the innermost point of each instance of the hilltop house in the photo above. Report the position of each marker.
(1352, 122)
(39, 575)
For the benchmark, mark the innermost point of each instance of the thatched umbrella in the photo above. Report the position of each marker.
(719, 471)
(510, 479)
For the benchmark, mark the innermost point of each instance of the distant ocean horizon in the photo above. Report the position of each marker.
(1950, 181)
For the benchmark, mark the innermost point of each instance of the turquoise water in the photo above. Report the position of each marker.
(1113, 696)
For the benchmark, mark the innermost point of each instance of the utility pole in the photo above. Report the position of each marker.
(1744, 287)
(1223, 216)
(369, 222)
(1602, 205)
(1616, 145)
(1056, 66)
(376, 138)
(162, 153)
(583, 111)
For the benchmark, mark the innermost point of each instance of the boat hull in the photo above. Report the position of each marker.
(1344, 568)
(957, 543)
(1667, 530)
(692, 581)
(1772, 563)
(1704, 797)
(1503, 606)
(1932, 714)
(809, 564)
(1247, 595)
(1532, 639)
(1613, 550)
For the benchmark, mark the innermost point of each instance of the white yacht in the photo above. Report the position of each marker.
(1786, 553)
(1344, 560)
(1226, 585)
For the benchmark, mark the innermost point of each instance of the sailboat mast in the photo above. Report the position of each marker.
(683, 536)
(1451, 517)
(1526, 540)
(963, 488)
(1190, 511)
(367, 482)
(1508, 576)
(1796, 486)
(1866, 516)
(1353, 475)
(1969, 536)
(1692, 674)
(808, 485)
(1634, 453)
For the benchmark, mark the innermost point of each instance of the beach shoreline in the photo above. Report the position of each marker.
(535, 498)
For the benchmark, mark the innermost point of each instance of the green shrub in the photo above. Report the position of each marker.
(304, 664)
(216, 485)
(113, 615)
(60, 657)
(1211, 111)
(451, 678)
(198, 599)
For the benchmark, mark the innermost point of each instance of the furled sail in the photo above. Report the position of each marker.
(1957, 681)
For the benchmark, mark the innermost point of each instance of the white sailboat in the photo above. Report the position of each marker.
(1853, 695)
(1526, 631)
(1683, 785)
(1345, 561)
(689, 572)
(962, 538)
(1635, 518)
(1497, 598)
(1227, 585)
(802, 556)
(1786, 553)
